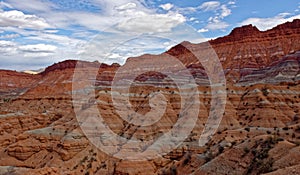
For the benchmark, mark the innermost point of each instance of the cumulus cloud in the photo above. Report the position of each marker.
(167, 6)
(268, 23)
(19, 19)
(210, 5)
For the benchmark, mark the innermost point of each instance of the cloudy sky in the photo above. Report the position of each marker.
(38, 33)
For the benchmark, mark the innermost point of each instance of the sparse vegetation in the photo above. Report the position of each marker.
(246, 150)
(285, 128)
(187, 159)
(6, 100)
(265, 91)
(247, 129)
(221, 149)
(39, 127)
(209, 156)
(261, 162)
(173, 170)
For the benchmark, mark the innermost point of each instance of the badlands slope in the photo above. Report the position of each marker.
(259, 132)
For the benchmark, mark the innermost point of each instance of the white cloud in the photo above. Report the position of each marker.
(7, 48)
(283, 15)
(225, 11)
(32, 5)
(220, 12)
(37, 54)
(210, 5)
(148, 23)
(167, 6)
(50, 31)
(127, 6)
(19, 57)
(109, 6)
(218, 25)
(19, 19)
(202, 30)
(231, 2)
(192, 19)
(85, 19)
(11, 49)
(113, 13)
(8, 36)
(67, 42)
(4, 43)
(268, 23)
(38, 48)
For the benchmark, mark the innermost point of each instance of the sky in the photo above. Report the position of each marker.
(37, 33)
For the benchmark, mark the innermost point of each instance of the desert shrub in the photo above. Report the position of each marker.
(247, 129)
(6, 100)
(208, 157)
(221, 149)
(261, 163)
(285, 128)
(246, 150)
(265, 91)
(173, 170)
(187, 159)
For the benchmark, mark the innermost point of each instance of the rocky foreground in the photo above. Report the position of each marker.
(258, 134)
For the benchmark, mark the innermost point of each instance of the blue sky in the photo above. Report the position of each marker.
(38, 33)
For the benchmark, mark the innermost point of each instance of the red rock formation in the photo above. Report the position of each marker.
(15, 83)
(259, 132)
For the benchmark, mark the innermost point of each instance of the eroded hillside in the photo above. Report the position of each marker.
(259, 131)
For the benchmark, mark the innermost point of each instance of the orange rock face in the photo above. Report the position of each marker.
(41, 133)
